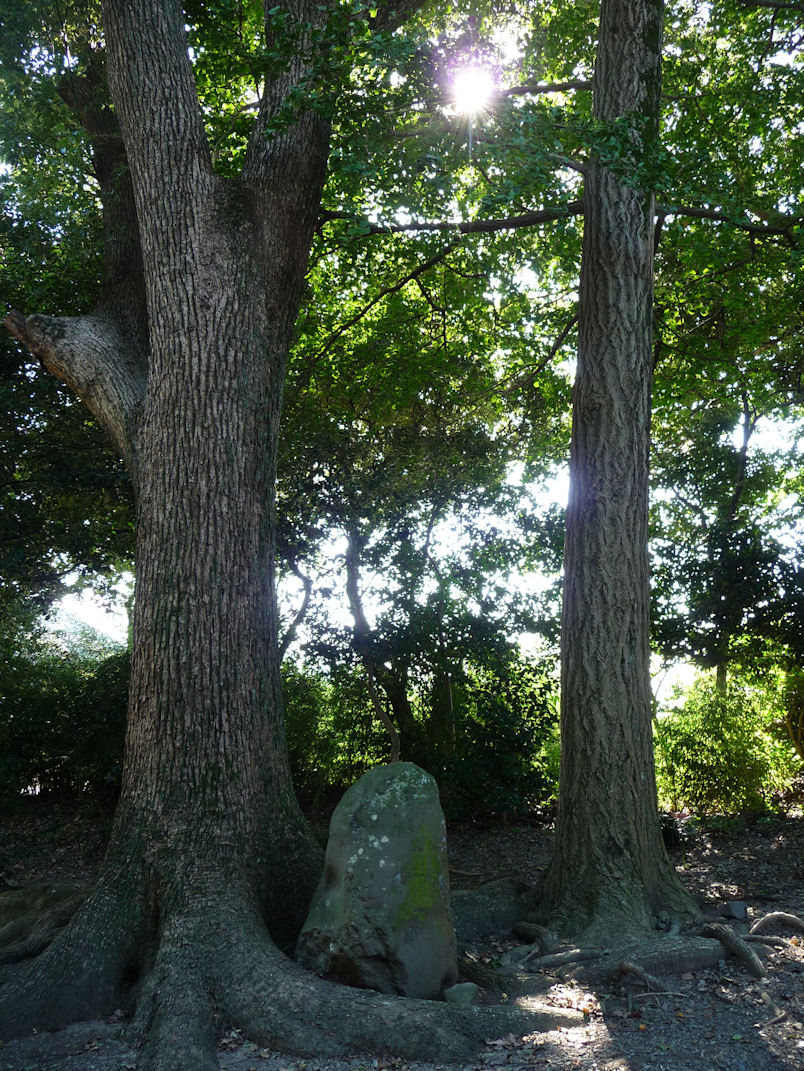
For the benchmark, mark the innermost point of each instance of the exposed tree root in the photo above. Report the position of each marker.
(535, 961)
(737, 947)
(486, 977)
(206, 963)
(84, 972)
(278, 1005)
(631, 971)
(175, 1020)
(765, 939)
(778, 920)
(30, 933)
(508, 980)
(212, 965)
(532, 933)
(512, 982)
(654, 955)
(31, 902)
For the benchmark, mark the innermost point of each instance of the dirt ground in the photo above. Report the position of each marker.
(715, 1019)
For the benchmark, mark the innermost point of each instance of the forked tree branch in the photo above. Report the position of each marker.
(105, 370)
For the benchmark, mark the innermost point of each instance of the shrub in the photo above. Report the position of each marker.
(506, 742)
(62, 719)
(717, 753)
(504, 757)
(331, 732)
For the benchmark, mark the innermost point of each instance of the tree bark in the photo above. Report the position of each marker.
(610, 870)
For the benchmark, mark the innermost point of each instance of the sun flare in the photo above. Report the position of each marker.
(472, 89)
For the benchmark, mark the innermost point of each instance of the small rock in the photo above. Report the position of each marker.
(463, 993)
(735, 909)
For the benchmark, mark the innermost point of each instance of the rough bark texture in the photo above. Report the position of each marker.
(210, 862)
(610, 870)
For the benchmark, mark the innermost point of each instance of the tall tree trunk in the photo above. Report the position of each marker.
(209, 856)
(413, 744)
(609, 870)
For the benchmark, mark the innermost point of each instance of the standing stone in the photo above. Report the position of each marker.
(380, 916)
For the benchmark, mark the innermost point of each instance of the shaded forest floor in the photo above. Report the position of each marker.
(717, 1019)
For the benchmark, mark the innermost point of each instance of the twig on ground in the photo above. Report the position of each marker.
(658, 993)
(776, 1011)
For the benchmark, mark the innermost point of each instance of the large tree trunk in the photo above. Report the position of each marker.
(609, 870)
(209, 859)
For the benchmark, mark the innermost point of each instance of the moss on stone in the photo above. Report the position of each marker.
(421, 880)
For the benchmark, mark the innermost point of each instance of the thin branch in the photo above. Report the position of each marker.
(474, 226)
(693, 507)
(759, 229)
(300, 614)
(386, 292)
(559, 342)
(425, 293)
(776, 5)
(529, 376)
(488, 226)
(251, 106)
(537, 88)
(526, 89)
